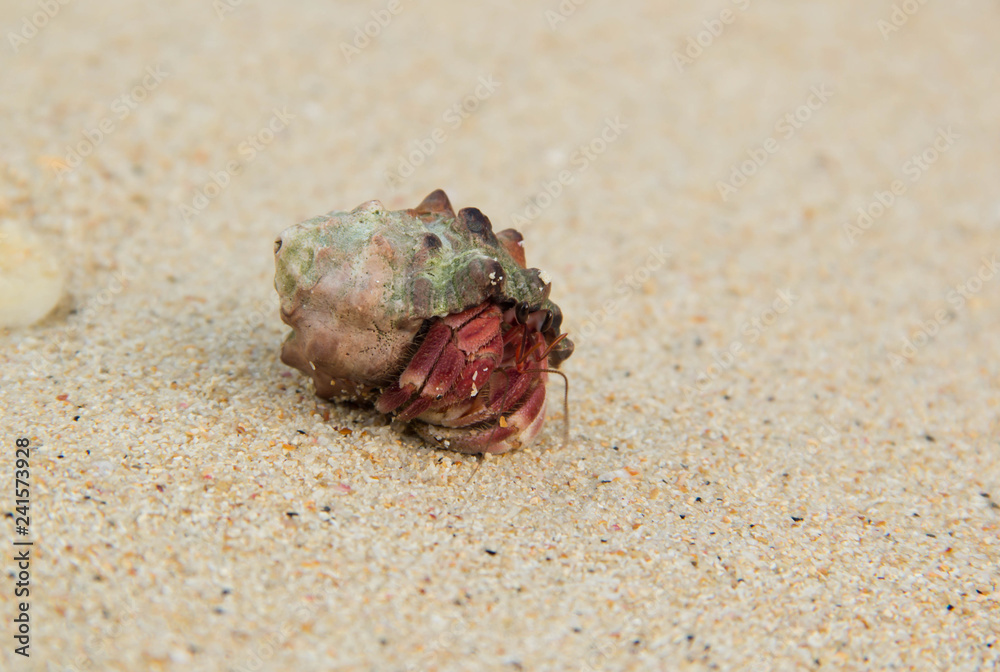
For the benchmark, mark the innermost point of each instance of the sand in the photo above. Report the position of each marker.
(771, 227)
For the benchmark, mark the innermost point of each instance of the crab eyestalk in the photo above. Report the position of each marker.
(429, 315)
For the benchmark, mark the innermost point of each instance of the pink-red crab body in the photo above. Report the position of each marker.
(430, 316)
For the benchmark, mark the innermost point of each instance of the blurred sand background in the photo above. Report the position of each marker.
(784, 448)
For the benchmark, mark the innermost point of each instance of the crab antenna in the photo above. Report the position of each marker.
(522, 351)
(549, 349)
(537, 344)
(565, 401)
(481, 457)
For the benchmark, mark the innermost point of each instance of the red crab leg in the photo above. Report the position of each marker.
(416, 407)
(412, 379)
(522, 426)
(426, 356)
(457, 320)
(392, 398)
(478, 332)
(445, 372)
(477, 374)
(473, 369)
(458, 366)
(457, 350)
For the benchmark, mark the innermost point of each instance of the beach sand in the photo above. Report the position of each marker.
(772, 228)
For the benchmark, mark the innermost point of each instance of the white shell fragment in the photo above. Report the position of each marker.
(31, 281)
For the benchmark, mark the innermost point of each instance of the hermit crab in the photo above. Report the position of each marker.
(430, 316)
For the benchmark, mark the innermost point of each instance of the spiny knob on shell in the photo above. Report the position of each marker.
(436, 203)
(513, 242)
(478, 224)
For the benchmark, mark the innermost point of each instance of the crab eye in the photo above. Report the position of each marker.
(277, 245)
(521, 313)
(557, 319)
(547, 322)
